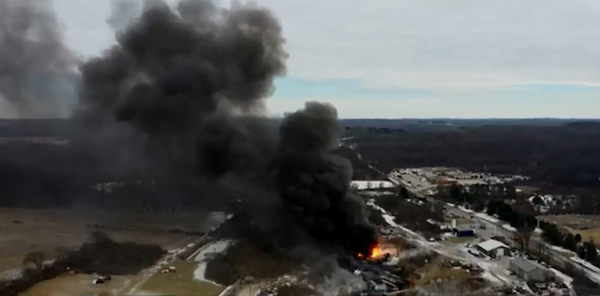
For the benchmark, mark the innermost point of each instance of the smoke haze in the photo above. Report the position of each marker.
(36, 69)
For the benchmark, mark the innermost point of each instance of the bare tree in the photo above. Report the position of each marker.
(525, 233)
(36, 259)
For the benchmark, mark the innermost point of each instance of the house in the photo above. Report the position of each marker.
(463, 232)
(493, 248)
(529, 270)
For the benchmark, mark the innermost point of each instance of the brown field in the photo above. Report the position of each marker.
(26, 230)
(587, 226)
(587, 235)
(75, 285)
(436, 270)
(438, 275)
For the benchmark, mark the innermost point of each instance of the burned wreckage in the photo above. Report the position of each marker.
(379, 276)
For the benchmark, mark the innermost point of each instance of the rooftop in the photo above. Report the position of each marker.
(526, 265)
(491, 244)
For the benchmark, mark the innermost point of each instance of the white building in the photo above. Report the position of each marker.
(493, 247)
(529, 270)
(365, 185)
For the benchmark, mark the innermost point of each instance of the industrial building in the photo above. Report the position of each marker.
(493, 248)
(463, 232)
(529, 270)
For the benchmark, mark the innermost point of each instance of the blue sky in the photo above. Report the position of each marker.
(418, 59)
(518, 101)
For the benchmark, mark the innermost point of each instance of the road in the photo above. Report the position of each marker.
(497, 229)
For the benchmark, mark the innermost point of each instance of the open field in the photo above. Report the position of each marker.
(72, 285)
(26, 230)
(587, 226)
(435, 270)
(181, 282)
(587, 234)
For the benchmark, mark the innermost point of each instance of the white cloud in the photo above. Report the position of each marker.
(445, 107)
(457, 47)
(439, 44)
(443, 44)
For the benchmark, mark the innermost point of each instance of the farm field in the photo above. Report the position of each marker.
(587, 226)
(73, 285)
(27, 230)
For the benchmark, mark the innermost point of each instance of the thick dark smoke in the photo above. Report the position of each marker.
(315, 184)
(36, 69)
(194, 80)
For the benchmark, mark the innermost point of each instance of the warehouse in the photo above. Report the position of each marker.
(493, 248)
(529, 270)
(463, 232)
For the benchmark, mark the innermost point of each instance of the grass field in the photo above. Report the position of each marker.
(436, 270)
(26, 230)
(76, 285)
(587, 226)
(587, 234)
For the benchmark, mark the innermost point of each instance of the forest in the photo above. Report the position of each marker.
(56, 163)
(563, 155)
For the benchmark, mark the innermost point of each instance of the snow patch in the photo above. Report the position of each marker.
(563, 277)
(465, 209)
(590, 270)
(560, 249)
(377, 193)
(487, 217)
(509, 228)
(205, 254)
(227, 291)
(491, 276)
(586, 264)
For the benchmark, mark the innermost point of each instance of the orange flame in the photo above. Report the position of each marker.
(374, 253)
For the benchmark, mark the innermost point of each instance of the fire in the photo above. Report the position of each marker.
(374, 253)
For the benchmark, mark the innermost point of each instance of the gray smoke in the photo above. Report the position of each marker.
(194, 80)
(123, 13)
(36, 69)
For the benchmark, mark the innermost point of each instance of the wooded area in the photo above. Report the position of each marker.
(562, 155)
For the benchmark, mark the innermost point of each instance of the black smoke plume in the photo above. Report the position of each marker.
(36, 68)
(194, 80)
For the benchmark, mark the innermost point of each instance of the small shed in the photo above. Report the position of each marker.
(463, 232)
(529, 270)
(493, 247)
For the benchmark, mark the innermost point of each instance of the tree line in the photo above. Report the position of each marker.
(520, 215)
(563, 155)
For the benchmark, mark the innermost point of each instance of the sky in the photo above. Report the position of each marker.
(418, 58)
